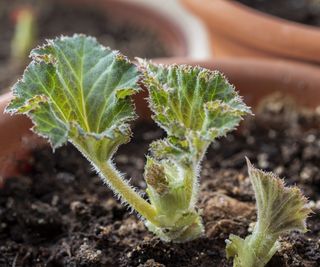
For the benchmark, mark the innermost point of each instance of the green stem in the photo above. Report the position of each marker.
(191, 174)
(114, 179)
(264, 247)
(116, 182)
(191, 183)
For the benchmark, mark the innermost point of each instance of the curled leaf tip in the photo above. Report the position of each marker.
(285, 207)
(280, 210)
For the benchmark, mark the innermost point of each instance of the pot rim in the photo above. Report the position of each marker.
(292, 23)
(246, 25)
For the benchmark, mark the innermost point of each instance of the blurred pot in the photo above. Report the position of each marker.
(171, 35)
(241, 31)
(167, 30)
(255, 79)
(13, 131)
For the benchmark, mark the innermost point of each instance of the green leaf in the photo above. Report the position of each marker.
(193, 101)
(194, 106)
(280, 210)
(75, 89)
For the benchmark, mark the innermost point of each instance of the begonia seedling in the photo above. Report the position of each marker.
(75, 90)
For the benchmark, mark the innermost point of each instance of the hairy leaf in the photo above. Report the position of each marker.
(190, 101)
(194, 106)
(75, 89)
(280, 209)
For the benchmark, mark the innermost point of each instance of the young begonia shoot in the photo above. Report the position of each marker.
(79, 91)
(194, 106)
(280, 210)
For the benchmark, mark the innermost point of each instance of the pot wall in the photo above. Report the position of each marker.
(238, 30)
(13, 130)
(254, 79)
(168, 31)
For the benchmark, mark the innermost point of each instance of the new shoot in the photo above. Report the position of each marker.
(77, 91)
(195, 106)
(280, 210)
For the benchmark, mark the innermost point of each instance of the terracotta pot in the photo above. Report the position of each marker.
(168, 32)
(238, 30)
(255, 79)
(13, 131)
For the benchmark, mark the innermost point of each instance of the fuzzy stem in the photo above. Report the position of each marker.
(190, 175)
(111, 176)
(264, 247)
(119, 186)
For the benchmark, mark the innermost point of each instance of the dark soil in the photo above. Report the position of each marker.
(61, 214)
(302, 11)
(53, 20)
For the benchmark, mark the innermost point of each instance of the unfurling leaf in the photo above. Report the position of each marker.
(280, 209)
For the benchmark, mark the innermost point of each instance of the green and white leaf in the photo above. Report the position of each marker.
(75, 89)
(280, 210)
(193, 103)
(194, 106)
(79, 91)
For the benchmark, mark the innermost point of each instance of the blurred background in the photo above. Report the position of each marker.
(193, 29)
(138, 28)
(262, 46)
